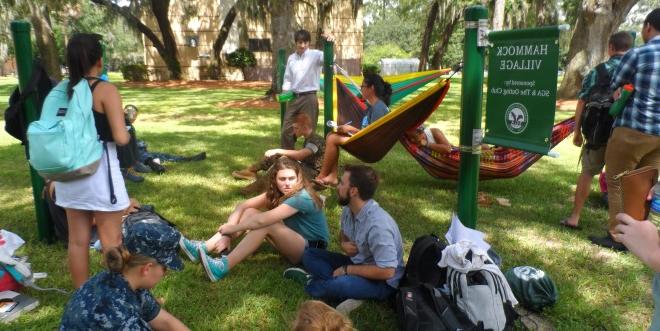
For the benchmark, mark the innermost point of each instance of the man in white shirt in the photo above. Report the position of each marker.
(302, 77)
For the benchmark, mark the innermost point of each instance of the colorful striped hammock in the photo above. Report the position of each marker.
(496, 163)
(372, 143)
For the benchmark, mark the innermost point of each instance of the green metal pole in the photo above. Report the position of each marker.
(23, 49)
(281, 66)
(470, 135)
(328, 79)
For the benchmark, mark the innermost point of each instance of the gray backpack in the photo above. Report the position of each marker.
(481, 294)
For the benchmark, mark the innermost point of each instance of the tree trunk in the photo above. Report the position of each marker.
(324, 7)
(45, 39)
(498, 14)
(281, 28)
(160, 8)
(223, 34)
(168, 55)
(452, 21)
(597, 20)
(426, 38)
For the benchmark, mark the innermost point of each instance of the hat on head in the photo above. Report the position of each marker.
(156, 240)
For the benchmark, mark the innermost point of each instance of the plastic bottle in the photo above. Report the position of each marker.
(285, 97)
(618, 105)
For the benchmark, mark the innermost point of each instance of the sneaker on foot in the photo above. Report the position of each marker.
(191, 248)
(130, 174)
(216, 269)
(141, 167)
(244, 174)
(298, 275)
(348, 305)
(198, 157)
(608, 242)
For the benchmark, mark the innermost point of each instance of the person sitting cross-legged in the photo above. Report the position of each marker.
(289, 214)
(310, 156)
(372, 263)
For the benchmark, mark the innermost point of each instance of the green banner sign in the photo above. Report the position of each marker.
(522, 88)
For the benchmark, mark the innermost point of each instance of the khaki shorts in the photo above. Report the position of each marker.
(593, 160)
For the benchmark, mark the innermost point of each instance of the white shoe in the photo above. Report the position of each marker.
(348, 305)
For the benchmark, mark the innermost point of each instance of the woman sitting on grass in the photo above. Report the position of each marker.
(377, 93)
(289, 214)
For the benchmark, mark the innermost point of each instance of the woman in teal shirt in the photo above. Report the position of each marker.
(289, 214)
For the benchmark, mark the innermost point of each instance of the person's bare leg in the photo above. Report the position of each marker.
(329, 169)
(108, 225)
(581, 194)
(250, 243)
(80, 232)
(218, 243)
(288, 242)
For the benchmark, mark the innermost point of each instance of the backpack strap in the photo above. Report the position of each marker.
(113, 198)
(602, 75)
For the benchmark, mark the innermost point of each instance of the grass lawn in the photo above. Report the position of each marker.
(598, 288)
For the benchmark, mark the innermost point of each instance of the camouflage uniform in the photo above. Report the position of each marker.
(107, 302)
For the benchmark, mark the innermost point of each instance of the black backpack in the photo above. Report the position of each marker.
(419, 304)
(40, 84)
(596, 119)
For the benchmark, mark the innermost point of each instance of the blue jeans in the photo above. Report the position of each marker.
(321, 263)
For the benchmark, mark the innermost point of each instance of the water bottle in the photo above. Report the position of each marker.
(285, 97)
(618, 105)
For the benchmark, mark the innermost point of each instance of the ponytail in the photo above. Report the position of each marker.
(118, 259)
(82, 53)
(382, 88)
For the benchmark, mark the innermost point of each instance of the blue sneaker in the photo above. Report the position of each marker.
(216, 269)
(191, 248)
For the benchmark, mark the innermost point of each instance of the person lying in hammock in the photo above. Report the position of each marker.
(377, 92)
(432, 138)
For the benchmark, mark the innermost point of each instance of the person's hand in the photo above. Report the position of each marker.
(616, 94)
(227, 229)
(577, 139)
(132, 206)
(272, 152)
(640, 237)
(349, 248)
(338, 272)
(328, 36)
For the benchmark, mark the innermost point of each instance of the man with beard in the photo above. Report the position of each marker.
(372, 263)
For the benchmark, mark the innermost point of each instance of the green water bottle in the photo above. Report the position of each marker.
(285, 96)
(620, 103)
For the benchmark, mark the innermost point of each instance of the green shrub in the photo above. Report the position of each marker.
(134, 72)
(373, 54)
(241, 58)
(370, 68)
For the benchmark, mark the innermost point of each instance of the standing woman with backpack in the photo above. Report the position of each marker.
(100, 197)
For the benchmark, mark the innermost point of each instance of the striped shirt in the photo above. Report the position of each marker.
(641, 67)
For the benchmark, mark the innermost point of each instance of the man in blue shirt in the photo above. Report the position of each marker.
(593, 157)
(372, 263)
(635, 140)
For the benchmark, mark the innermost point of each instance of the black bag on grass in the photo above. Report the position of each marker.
(422, 266)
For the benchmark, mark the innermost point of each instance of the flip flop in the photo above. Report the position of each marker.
(565, 224)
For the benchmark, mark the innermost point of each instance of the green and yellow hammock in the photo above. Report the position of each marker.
(372, 143)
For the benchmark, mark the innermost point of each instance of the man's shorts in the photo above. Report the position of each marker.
(593, 160)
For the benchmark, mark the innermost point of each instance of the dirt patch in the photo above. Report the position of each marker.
(201, 84)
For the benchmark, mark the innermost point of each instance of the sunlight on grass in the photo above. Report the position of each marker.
(598, 289)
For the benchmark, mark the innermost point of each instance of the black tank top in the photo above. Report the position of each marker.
(100, 119)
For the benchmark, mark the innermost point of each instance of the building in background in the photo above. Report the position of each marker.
(196, 32)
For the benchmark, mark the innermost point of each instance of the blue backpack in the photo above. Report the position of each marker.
(63, 144)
